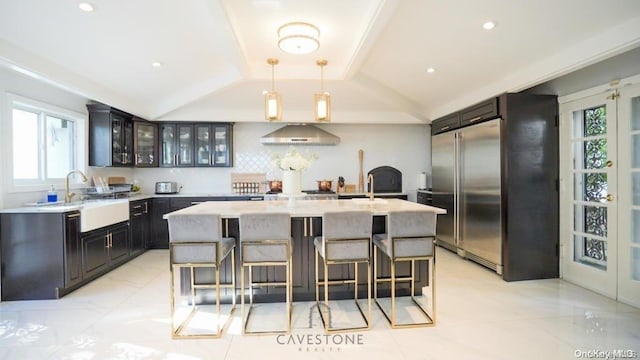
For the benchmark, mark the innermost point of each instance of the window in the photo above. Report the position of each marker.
(45, 143)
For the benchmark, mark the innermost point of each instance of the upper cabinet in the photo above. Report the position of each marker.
(485, 110)
(120, 139)
(110, 136)
(212, 145)
(196, 144)
(479, 112)
(145, 143)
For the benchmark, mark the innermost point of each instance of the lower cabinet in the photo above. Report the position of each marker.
(104, 248)
(72, 249)
(139, 226)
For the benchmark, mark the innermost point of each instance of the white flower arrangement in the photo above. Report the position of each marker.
(293, 160)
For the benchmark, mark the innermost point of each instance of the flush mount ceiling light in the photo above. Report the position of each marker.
(272, 100)
(431, 70)
(489, 25)
(85, 6)
(322, 100)
(298, 38)
(156, 64)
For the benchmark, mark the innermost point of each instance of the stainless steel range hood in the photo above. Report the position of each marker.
(300, 134)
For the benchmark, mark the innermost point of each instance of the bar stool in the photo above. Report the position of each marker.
(409, 237)
(196, 241)
(265, 240)
(346, 239)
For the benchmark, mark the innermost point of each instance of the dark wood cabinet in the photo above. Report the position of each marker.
(483, 111)
(72, 250)
(196, 144)
(176, 145)
(212, 145)
(110, 136)
(159, 227)
(139, 226)
(424, 197)
(40, 255)
(104, 248)
(145, 143)
(473, 114)
(445, 123)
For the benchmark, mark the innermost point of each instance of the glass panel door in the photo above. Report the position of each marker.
(591, 259)
(203, 145)
(145, 144)
(221, 146)
(629, 178)
(185, 145)
(117, 134)
(127, 142)
(168, 139)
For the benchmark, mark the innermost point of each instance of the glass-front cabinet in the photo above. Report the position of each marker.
(176, 145)
(212, 145)
(145, 143)
(196, 144)
(110, 136)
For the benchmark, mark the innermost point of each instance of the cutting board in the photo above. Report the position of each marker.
(360, 173)
(116, 180)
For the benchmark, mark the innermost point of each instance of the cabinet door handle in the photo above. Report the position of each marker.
(146, 207)
(445, 127)
(138, 214)
(304, 231)
(137, 206)
(310, 226)
(475, 119)
(71, 216)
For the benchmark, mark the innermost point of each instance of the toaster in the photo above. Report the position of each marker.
(166, 187)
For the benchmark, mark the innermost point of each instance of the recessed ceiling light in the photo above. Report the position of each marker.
(488, 25)
(431, 70)
(85, 6)
(156, 64)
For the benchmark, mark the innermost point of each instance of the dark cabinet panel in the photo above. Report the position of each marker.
(104, 248)
(145, 143)
(118, 244)
(110, 136)
(485, 110)
(196, 144)
(425, 198)
(445, 123)
(139, 226)
(159, 227)
(94, 253)
(72, 250)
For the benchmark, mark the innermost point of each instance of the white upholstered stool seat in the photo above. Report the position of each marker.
(346, 239)
(196, 241)
(410, 237)
(265, 240)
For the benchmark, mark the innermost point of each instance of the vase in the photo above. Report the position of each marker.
(291, 182)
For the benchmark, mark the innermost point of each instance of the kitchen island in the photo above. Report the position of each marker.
(306, 223)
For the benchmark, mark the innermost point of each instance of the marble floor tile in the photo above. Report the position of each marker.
(125, 315)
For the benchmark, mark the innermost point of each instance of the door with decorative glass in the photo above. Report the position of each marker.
(589, 180)
(629, 199)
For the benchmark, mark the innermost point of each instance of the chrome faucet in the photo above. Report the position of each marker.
(370, 182)
(67, 194)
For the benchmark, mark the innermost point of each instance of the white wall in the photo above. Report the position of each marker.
(22, 85)
(405, 147)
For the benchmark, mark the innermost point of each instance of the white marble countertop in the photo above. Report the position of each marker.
(62, 207)
(302, 208)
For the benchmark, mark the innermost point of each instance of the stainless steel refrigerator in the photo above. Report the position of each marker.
(466, 181)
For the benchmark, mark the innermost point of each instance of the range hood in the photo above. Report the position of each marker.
(300, 134)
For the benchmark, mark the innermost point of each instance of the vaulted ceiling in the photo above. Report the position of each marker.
(213, 52)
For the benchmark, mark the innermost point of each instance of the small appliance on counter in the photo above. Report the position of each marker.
(167, 187)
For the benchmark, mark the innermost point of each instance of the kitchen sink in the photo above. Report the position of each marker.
(97, 214)
(94, 214)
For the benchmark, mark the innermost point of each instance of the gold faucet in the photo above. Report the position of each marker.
(67, 194)
(370, 182)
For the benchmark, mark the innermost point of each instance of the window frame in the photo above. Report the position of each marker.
(14, 101)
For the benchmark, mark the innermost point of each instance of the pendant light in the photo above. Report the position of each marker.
(322, 100)
(272, 100)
